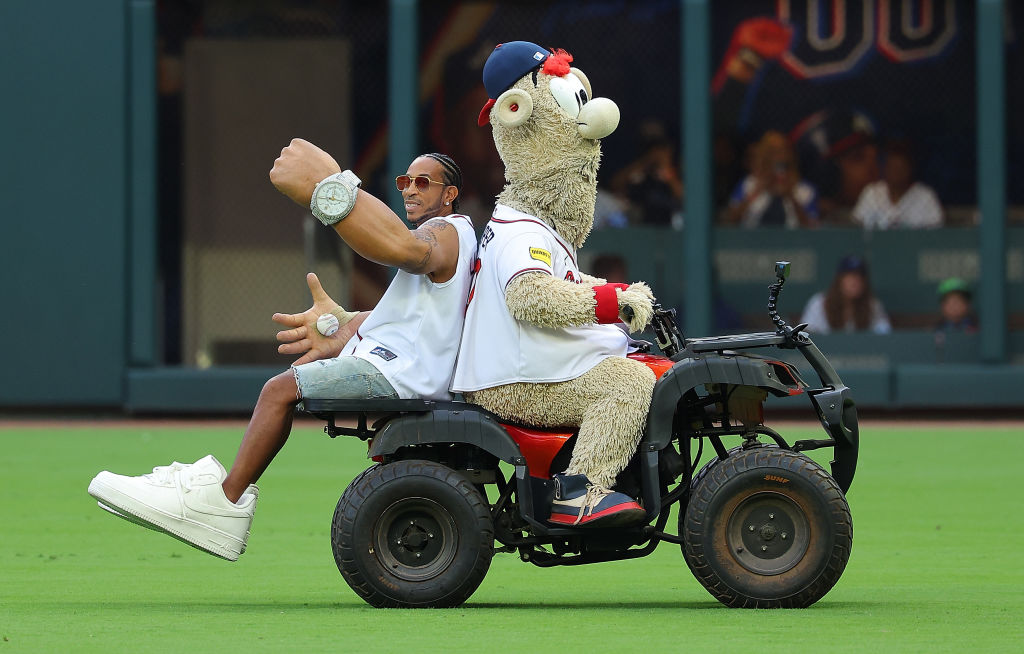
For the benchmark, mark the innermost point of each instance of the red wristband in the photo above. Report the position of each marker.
(607, 309)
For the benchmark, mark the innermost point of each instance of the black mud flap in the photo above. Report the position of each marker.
(838, 414)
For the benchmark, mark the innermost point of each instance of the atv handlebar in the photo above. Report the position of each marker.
(671, 340)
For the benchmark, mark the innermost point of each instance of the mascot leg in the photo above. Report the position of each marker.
(614, 422)
(609, 404)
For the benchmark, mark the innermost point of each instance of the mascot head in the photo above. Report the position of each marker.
(547, 128)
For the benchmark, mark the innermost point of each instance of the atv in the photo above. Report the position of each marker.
(760, 524)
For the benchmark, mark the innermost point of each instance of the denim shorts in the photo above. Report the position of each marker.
(344, 377)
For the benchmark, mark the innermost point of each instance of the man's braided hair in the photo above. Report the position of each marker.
(452, 173)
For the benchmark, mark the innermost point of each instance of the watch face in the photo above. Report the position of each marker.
(332, 198)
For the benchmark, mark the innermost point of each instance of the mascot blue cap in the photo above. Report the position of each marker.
(509, 62)
(505, 66)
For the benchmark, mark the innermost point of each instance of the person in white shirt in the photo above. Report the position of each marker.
(405, 348)
(897, 200)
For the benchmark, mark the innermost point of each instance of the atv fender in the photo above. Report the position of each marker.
(687, 374)
(705, 368)
(470, 425)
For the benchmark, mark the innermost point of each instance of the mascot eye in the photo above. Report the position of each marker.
(569, 93)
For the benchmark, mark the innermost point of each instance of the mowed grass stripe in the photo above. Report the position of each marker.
(936, 561)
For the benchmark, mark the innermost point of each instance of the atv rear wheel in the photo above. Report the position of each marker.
(412, 534)
(767, 528)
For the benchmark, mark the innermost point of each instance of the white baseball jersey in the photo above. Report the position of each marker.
(498, 349)
(412, 335)
(918, 207)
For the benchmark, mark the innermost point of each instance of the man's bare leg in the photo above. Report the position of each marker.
(268, 429)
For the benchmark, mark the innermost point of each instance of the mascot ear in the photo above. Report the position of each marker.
(513, 107)
(583, 78)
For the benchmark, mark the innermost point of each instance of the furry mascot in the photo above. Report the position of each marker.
(539, 346)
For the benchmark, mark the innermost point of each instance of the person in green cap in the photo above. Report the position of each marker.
(955, 312)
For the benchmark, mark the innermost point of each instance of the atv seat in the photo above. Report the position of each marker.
(317, 406)
(362, 410)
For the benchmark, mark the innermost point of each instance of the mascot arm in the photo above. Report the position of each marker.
(589, 280)
(547, 301)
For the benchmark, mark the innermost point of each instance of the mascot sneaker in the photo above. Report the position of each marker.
(580, 503)
(185, 501)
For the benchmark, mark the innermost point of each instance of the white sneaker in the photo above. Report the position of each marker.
(184, 500)
(251, 490)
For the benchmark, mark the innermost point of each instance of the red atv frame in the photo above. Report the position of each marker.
(760, 524)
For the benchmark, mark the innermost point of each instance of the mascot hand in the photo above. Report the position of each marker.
(636, 305)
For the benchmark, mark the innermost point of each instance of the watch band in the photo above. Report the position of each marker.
(347, 179)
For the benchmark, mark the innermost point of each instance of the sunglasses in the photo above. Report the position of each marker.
(422, 182)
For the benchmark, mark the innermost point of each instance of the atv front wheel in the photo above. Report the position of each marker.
(767, 528)
(412, 534)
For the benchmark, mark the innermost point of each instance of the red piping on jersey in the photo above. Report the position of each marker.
(526, 270)
(527, 220)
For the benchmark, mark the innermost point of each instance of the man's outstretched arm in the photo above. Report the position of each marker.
(371, 228)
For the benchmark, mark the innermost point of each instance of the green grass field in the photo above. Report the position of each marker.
(936, 566)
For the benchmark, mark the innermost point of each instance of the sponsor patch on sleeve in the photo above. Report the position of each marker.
(540, 254)
(384, 353)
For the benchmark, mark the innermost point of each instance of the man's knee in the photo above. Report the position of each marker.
(281, 389)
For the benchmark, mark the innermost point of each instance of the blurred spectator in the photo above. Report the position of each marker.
(609, 210)
(897, 200)
(773, 194)
(609, 267)
(835, 146)
(848, 304)
(840, 157)
(955, 313)
(652, 183)
(754, 42)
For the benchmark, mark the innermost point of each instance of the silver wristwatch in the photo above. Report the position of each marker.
(334, 197)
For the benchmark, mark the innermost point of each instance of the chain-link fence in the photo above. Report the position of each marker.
(843, 83)
(1015, 109)
(857, 115)
(237, 81)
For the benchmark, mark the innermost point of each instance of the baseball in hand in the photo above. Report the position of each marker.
(327, 324)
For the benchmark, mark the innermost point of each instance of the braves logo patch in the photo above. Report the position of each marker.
(384, 353)
(540, 254)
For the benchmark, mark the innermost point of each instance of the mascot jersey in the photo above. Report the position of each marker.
(412, 336)
(498, 349)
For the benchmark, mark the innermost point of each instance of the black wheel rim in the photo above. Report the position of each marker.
(415, 539)
(768, 533)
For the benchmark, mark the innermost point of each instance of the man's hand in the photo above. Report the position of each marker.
(304, 338)
(300, 168)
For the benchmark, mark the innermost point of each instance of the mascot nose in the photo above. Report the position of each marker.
(598, 118)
